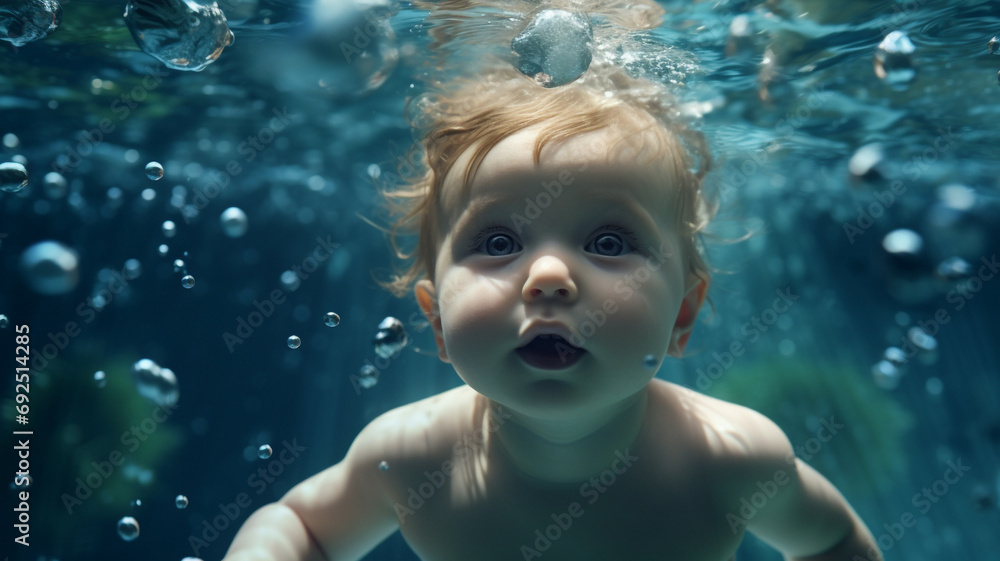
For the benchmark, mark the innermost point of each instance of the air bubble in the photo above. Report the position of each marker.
(294, 342)
(155, 383)
(649, 362)
(894, 60)
(169, 229)
(331, 319)
(128, 528)
(187, 281)
(181, 501)
(154, 171)
(383, 465)
(264, 452)
(234, 222)
(390, 338)
(13, 177)
(367, 376)
(100, 379)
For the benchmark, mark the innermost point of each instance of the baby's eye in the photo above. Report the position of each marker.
(495, 244)
(613, 244)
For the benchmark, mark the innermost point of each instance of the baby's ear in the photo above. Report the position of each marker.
(427, 300)
(693, 299)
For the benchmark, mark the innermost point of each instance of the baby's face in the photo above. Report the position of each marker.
(577, 241)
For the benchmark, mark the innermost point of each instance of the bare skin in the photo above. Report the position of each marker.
(597, 460)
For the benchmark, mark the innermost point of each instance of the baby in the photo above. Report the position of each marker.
(558, 265)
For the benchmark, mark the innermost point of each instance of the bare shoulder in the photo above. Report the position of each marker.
(740, 447)
(420, 430)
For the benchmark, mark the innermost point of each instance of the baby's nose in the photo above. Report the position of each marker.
(549, 278)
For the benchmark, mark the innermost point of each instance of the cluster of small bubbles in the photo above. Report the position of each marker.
(234, 222)
(155, 383)
(290, 281)
(294, 342)
(650, 362)
(953, 269)
(169, 229)
(100, 379)
(13, 177)
(128, 528)
(181, 501)
(367, 376)
(331, 319)
(187, 281)
(55, 185)
(50, 268)
(894, 60)
(178, 265)
(4, 322)
(154, 171)
(921, 339)
(264, 452)
(163, 249)
(993, 46)
(390, 338)
(886, 375)
(383, 465)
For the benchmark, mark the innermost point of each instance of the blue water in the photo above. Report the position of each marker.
(818, 158)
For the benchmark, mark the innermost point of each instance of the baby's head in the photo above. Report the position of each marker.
(578, 209)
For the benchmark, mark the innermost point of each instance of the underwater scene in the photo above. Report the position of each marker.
(194, 248)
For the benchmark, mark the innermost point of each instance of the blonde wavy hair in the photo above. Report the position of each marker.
(478, 112)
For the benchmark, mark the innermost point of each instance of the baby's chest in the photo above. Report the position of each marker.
(608, 518)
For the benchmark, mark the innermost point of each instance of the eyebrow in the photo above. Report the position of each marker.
(490, 202)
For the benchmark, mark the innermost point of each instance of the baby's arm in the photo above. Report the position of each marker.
(339, 514)
(807, 519)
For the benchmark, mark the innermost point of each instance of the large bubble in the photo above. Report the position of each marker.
(50, 268)
(183, 34)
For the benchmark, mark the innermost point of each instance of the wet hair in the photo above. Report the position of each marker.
(477, 113)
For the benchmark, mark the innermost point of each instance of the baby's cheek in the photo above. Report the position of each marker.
(470, 321)
(640, 324)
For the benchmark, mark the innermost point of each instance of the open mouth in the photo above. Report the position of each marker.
(550, 352)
